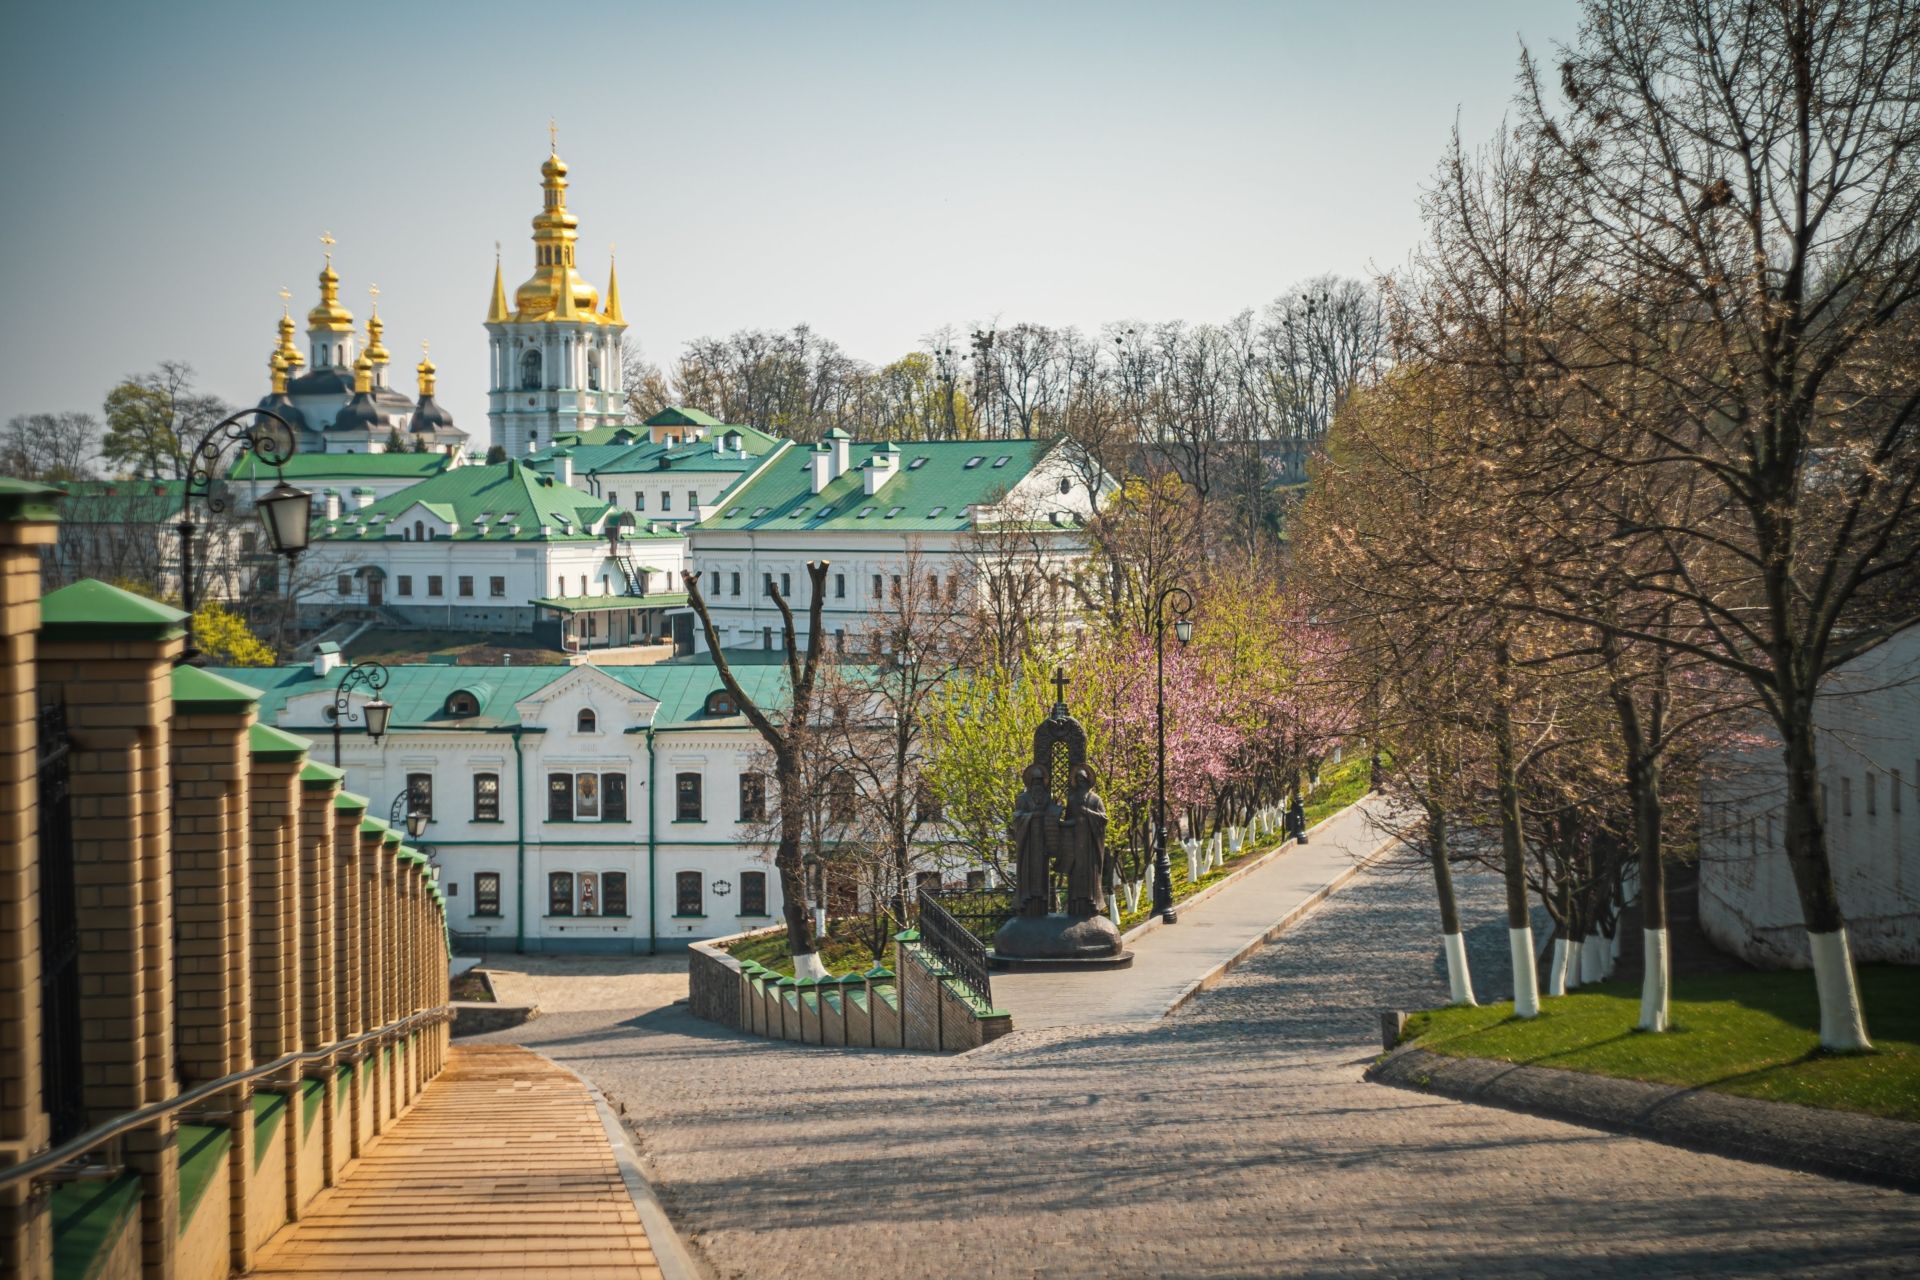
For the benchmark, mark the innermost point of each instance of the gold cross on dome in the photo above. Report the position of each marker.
(326, 238)
(423, 348)
(553, 135)
(373, 291)
(286, 297)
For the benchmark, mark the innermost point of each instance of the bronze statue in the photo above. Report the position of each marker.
(1034, 890)
(1087, 863)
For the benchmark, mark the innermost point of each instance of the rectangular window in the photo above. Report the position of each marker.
(686, 802)
(839, 586)
(840, 797)
(420, 794)
(345, 584)
(693, 499)
(753, 893)
(687, 899)
(406, 584)
(736, 584)
(1873, 805)
(560, 893)
(666, 500)
(497, 588)
(486, 797)
(876, 586)
(589, 893)
(486, 893)
(786, 585)
(436, 585)
(976, 881)
(639, 500)
(1893, 790)
(766, 585)
(466, 585)
(840, 641)
(613, 890)
(613, 797)
(766, 637)
(716, 582)
(753, 797)
(559, 797)
(586, 796)
(896, 586)
(926, 805)
(933, 586)
(613, 498)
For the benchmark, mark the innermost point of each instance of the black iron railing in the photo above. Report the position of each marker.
(980, 911)
(955, 946)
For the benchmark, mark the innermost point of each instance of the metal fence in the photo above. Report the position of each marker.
(964, 954)
(980, 912)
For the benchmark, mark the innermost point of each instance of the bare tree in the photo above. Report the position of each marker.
(50, 447)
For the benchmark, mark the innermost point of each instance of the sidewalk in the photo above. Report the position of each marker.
(1170, 960)
(503, 1168)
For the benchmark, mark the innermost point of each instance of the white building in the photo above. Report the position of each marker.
(1868, 718)
(554, 355)
(571, 808)
(672, 469)
(868, 509)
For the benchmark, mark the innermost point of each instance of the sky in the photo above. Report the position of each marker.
(873, 170)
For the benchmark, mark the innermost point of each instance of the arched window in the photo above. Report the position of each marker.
(530, 370)
(419, 531)
(461, 704)
(720, 703)
(593, 370)
(586, 722)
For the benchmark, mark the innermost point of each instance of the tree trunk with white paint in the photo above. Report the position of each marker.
(1557, 972)
(1459, 978)
(1526, 977)
(1843, 1023)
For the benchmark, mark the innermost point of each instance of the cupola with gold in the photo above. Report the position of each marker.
(377, 354)
(330, 325)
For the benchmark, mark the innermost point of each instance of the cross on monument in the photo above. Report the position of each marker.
(1060, 685)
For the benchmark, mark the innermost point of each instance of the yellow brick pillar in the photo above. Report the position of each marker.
(319, 1013)
(26, 525)
(373, 839)
(273, 803)
(211, 757)
(385, 966)
(109, 654)
(349, 930)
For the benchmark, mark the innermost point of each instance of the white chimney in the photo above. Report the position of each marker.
(842, 450)
(332, 504)
(822, 462)
(883, 466)
(326, 658)
(362, 499)
(563, 466)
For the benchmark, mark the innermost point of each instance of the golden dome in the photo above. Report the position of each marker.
(278, 364)
(376, 350)
(329, 316)
(426, 371)
(288, 354)
(556, 290)
(363, 373)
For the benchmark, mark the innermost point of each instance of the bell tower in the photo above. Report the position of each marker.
(554, 354)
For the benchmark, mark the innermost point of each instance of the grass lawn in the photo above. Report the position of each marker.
(1752, 1034)
(840, 953)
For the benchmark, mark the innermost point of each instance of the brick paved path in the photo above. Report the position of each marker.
(1169, 958)
(502, 1168)
(1232, 1139)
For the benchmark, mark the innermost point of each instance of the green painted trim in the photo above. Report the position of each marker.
(202, 1147)
(274, 745)
(318, 777)
(312, 1093)
(269, 1109)
(87, 1218)
(83, 609)
(197, 691)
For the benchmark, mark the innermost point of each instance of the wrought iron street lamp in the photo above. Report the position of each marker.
(1183, 632)
(283, 512)
(415, 818)
(373, 676)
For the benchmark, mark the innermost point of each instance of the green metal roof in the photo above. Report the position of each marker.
(507, 495)
(419, 691)
(933, 486)
(203, 691)
(269, 743)
(120, 501)
(320, 467)
(78, 612)
(601, 604)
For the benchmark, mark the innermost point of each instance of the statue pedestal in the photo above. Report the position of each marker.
(1058, 942)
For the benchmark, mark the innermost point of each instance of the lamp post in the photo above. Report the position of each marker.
(1183, 631)
(374, 677)
(284, 512)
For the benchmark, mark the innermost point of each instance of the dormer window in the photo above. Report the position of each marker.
(894, 511)
(461, 704)
(721, 703)
(1002, 460)
(935, 512)
(974, 461)
(586, 722)
(917, 463)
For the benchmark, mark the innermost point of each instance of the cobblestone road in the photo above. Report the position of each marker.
(1233, 1139)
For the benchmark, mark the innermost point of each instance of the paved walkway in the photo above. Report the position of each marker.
(1234, 1139)
(502, 1168)
(1169, 959)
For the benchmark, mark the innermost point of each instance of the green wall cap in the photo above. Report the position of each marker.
(347, 802)
(907, 935)
(269, 743)
(202, 691)
(392, 837)
(27, 500)
(319, 776)
(877, 972)
(80, 611)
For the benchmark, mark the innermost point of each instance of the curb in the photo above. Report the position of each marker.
(1838, 1144)
(670, 1252)
(1153, 922)
(1301, 909)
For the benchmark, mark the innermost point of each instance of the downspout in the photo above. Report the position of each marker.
(519, 846)
(653, 883)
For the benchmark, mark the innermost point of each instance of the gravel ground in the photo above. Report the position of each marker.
(1232, 1139)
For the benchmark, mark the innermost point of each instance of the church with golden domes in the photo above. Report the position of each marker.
(343, 403)
(554, 364)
